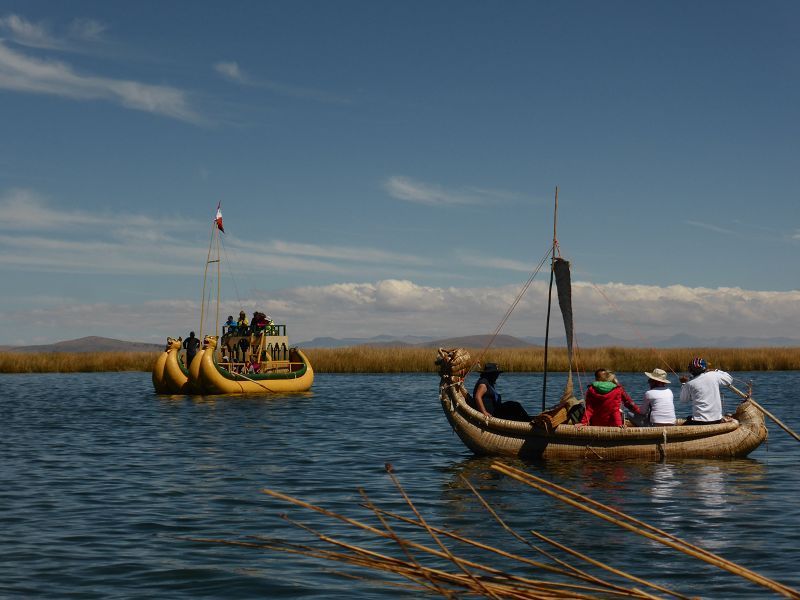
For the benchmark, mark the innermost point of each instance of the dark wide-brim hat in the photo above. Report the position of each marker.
(491, 369)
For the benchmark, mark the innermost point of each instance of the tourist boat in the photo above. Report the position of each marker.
(280, 369)
(255, 359)
(552, 434)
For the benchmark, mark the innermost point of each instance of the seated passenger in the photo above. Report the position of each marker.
(242, 323)
(604, 398)
(489, 402)
(259, 322)
(657, 407)
(229, 325)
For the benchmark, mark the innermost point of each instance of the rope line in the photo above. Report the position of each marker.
(508, 313)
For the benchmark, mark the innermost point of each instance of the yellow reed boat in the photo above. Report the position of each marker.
(253, 359)
(275, 367)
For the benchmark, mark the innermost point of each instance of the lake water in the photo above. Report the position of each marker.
(102, 483)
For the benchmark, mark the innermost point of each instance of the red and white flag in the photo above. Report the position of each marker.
(218, 218)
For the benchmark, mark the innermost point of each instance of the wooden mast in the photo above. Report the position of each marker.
(549, 301)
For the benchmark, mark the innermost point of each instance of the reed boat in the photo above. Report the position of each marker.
(245, 359)
(281, 369)
(550, 435)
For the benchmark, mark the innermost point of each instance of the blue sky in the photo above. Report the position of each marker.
(389, 167)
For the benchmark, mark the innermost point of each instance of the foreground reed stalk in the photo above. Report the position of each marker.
(475, 578)
(636, 526)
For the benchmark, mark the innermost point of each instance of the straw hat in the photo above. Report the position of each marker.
(658, 375)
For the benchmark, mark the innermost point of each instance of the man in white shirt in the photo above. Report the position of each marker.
(702, 390)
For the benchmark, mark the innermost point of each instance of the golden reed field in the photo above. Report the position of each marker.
(365, 359)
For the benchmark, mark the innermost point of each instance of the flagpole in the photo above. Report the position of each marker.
(205, 276)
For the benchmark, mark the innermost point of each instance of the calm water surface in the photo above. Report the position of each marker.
(102, 482)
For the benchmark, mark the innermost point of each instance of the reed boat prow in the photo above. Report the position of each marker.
(554, 438)
(169, 374)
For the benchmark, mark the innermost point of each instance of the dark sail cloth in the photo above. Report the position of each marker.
(494, 404)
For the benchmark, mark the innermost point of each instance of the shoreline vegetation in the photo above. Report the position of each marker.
(367, 359)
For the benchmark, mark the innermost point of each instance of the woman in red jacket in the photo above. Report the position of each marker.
(604, 400)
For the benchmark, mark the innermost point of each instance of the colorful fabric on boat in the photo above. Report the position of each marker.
(604, 386)
(604, 409)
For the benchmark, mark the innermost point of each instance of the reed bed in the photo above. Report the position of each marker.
(368, 359)
(435, 567)
(365, 359)
(76, 362)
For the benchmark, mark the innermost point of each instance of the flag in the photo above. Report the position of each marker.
(218, 218)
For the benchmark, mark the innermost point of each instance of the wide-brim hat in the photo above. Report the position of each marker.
(490, 369)
(658, 375)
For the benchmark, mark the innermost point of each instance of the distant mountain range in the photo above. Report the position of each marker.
(88, 344)
(681, 340)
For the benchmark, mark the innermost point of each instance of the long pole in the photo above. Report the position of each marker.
(549, 301)
(205, 276)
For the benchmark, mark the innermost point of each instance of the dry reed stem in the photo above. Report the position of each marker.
(400, 542)
(573, 572)
(606, 567)
(412, 571)
(373, 530)
(577, 571)
(643, 529)
(431, 533)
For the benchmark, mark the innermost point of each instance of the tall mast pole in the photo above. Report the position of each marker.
(205, 276)
(549, 301)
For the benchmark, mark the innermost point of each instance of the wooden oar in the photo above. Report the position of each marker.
(766, 412)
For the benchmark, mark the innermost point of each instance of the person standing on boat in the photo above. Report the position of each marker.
(658, 404)
(191, 344)
(242, 323)
(604, 399)
(489, 402)
(702, 390)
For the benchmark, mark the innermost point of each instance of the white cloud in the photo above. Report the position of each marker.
(350, 254)
(710, 227)
(27, 210)
(25, 33)
(633, 312)
(405, 188)
(22, 73)
(39, 35)
(230, 70)
(87, 30)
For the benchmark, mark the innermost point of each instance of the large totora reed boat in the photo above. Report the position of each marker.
(246, 359)
(552, 434)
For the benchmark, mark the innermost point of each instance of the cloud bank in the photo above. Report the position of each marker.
(20, 72)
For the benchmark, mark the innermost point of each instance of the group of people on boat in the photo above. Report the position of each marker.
(605, 397)
(241, 326)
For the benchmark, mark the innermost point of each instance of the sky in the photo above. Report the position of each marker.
(391, 167)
